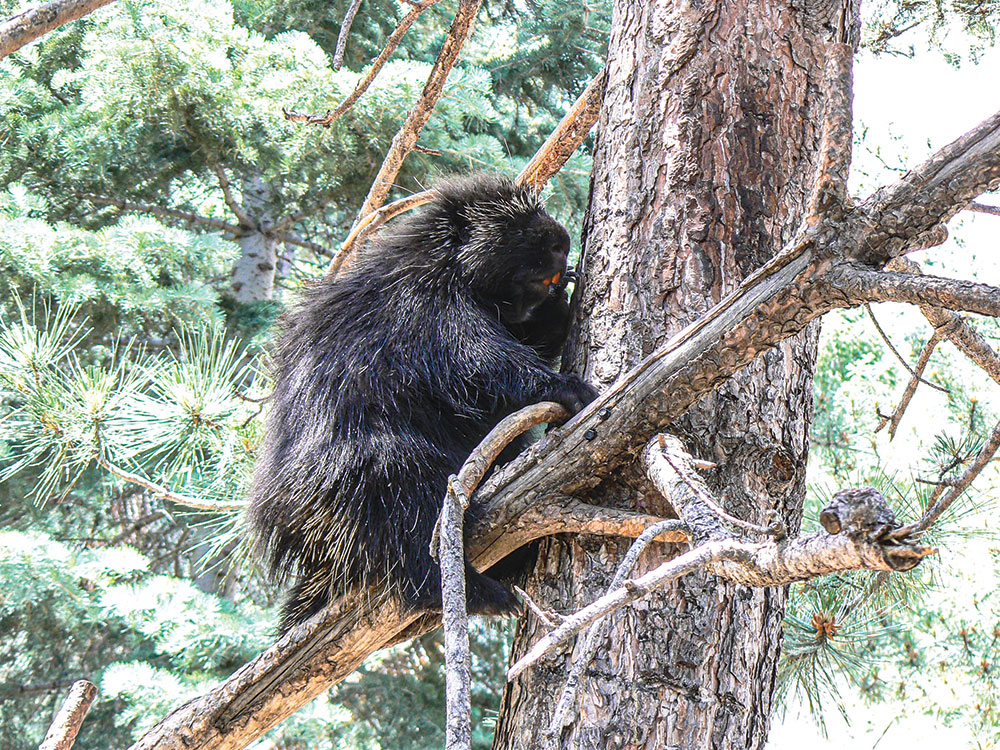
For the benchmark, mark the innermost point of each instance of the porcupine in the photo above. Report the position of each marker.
(389, 374)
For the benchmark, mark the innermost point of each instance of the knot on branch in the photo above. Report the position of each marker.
(863, 515)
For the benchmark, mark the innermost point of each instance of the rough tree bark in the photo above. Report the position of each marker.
(705, 154)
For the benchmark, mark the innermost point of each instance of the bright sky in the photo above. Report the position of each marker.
(905, 103)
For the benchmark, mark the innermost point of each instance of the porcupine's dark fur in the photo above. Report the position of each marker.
(388, 375)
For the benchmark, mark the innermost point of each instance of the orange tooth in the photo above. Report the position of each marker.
(546, 282)
(555, 279)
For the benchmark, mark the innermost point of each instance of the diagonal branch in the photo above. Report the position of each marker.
(547, 161)
(392, 42)
(915, 373)
(345, 31)
(66, 724)
(956, 488)
(227, 194)
(406, 138)
(28, 26)
(916, 377)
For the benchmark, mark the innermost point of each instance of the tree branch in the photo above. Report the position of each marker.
(834, 160)
(165, 213)
(28, 26)
(66, 725)
(866, 285)
(547, 161)
(160, 491)
(916, 377)
(392, 42)
(227, 193)
(406, 138)
(345, 31)
(983, 208)
(931, 193)
(956, 488)
(567, 137)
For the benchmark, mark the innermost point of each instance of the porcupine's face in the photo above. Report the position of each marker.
(515, 254)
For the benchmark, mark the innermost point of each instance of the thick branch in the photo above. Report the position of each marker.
(66, 725)
(830, 187)
(955, 329)
(866, 285)
(932, 193)
(28, 26)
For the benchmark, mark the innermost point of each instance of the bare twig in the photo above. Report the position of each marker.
(888, 342)
(956, 488)
(595, 634)
(455, 619)
(160, 491)
(28, 26)
(392, 42)
(66, 724)
(894, 419)
(983, 208)
(345, 31)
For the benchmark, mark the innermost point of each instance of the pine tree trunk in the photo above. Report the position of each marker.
(703, 163)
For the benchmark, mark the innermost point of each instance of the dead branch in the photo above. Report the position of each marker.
(345, 31)
(902, 360)
(567, 137)
(406, 138)
(416, 9)
(857, 536)
(28, 26)
(956, 488)
(66, 725)
(911, 387)
(983, 208)
(546, 162)
(451, 549)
